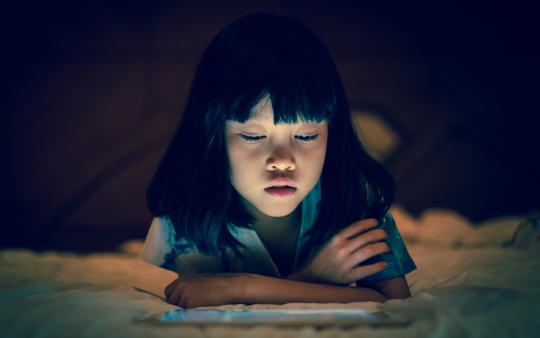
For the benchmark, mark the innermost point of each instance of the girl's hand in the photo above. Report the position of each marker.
(194, 290)
(338, 260)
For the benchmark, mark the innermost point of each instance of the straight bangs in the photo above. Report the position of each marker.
(297, 93)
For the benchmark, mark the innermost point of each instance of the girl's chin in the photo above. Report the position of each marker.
(279, 210)
(271, 206)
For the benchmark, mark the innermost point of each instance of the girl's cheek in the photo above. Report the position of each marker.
(240, 152)
(319, 146)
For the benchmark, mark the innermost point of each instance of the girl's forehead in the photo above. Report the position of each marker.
(263, 115)
(262, 110)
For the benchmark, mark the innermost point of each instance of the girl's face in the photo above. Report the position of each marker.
(260, 152)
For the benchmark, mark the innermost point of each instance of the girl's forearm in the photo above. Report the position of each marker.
(262, 289)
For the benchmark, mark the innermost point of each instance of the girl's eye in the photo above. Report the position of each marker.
(251, 139)
(302, 138)
(307, 138)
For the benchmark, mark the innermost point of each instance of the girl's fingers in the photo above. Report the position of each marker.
(366, 252)
(358, 227)
(180, 301)
(175, 297)
(365, 238)
(170, 288)
(364, 271)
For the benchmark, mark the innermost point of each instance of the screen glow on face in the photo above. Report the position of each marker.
(260, 151)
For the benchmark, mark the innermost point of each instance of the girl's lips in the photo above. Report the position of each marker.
(281, 182)
(280, 191)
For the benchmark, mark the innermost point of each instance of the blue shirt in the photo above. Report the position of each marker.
(162, 249)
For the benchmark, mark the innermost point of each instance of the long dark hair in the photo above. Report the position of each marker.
(254, 56)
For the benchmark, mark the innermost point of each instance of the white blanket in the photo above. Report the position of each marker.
(470, 282)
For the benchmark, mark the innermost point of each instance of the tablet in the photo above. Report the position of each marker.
(281, 317)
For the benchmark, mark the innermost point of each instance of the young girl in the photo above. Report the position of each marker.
(265, 194)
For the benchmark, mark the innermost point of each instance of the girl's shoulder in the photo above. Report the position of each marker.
(164, 248)
(162, 240)
(162, 228)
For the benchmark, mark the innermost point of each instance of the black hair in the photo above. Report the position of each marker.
(257, 55)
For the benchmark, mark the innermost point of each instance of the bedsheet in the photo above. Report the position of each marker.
(472, 281)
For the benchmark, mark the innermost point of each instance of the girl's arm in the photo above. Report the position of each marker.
(392, 288)
(194, 290)
(392, 283)
(336, 263)
(266, 289)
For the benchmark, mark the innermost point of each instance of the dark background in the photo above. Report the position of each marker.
(93, 93)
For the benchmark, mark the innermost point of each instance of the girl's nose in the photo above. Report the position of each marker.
(284, 162)
(282, 166)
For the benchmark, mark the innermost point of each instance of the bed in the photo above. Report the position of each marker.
(473, 280)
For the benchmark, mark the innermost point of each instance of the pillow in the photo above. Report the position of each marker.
(380, 140)
(527, 235)
(447, 228)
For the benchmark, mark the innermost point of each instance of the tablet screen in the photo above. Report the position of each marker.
(289, 317)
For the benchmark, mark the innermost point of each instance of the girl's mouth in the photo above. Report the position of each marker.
(280, 191)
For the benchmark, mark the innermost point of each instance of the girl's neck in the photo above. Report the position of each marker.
(278, 225)
(275, 225)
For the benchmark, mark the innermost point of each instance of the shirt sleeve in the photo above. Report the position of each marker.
(162, 248)
(398, 260)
